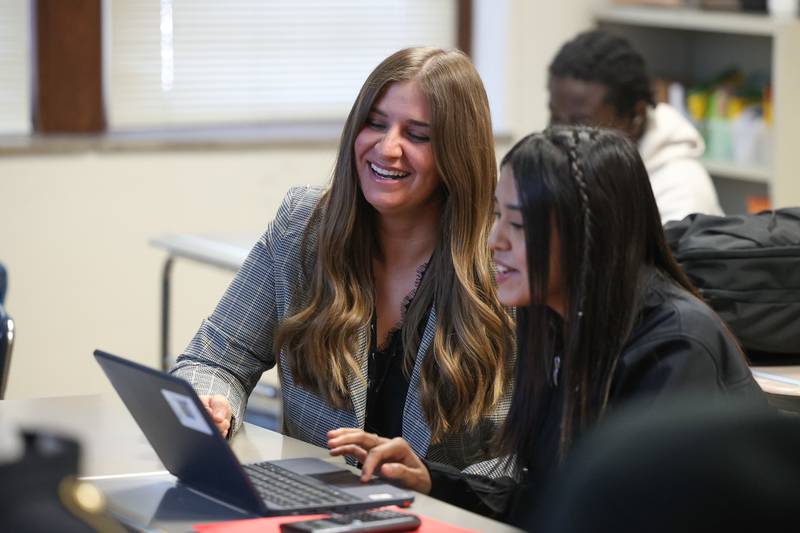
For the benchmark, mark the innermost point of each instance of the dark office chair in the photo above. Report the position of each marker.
(6, 334)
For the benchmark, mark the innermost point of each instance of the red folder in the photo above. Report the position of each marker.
(272, 524)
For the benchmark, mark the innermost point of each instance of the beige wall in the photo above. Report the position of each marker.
(537, 29)
(74, 229)
(74, 233)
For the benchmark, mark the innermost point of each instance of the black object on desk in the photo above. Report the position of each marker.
(369, 521)
(40, 491)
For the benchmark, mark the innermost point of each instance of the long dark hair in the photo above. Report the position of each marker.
(593, 186)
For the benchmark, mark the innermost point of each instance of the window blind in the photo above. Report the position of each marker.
(15, 61)
(183, 62)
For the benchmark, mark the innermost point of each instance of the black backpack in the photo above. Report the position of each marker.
(747, 268)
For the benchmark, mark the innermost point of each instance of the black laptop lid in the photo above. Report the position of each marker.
(181, 432)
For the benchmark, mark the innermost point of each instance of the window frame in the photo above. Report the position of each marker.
(75, 104)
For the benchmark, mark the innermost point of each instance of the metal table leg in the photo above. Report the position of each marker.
(166, 275)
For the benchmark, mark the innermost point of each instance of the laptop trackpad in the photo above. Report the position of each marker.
(375, 490)
(326, 472)
(344, 479)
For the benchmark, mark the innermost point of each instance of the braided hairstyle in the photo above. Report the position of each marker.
(590, 188)
(598, 56)
(573, 138)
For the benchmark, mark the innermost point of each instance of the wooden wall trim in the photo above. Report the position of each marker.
(464, 26)
(69, 88)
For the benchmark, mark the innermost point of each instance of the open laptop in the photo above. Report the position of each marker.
(184, 436)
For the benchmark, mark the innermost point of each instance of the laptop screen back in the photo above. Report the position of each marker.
(181, 432)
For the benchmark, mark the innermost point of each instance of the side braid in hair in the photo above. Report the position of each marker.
(577, 412)
(573, 137)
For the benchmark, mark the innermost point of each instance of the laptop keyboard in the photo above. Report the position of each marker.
(285, 488)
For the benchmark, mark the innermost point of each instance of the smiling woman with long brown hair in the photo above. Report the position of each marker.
(375, 297)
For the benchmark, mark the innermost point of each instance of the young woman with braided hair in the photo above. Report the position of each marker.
(604, 316)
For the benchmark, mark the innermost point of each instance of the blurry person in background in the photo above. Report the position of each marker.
(692, 466)
(598, 79)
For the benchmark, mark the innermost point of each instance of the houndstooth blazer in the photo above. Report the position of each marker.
(234, 346)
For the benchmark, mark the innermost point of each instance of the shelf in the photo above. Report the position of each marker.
(686, 43)
(729, 169)
(694, 19)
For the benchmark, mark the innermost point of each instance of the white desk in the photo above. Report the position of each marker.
(227, 252)
(118, 459)
(778, 379)
(782, 385)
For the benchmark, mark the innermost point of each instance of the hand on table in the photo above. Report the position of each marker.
(393, 458)
(219, 408)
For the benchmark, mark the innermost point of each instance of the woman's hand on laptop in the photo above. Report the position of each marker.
(219, 408)
(392, 458)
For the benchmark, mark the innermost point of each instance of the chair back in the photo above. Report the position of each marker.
(3, 283)
(6, 334)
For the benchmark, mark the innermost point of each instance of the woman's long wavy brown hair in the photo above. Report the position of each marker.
(467, 370)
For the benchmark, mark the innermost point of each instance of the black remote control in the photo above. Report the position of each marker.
(375, 521)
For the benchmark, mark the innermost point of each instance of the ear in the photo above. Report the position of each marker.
(638, 120)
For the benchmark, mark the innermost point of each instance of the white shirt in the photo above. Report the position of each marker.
(671, 148)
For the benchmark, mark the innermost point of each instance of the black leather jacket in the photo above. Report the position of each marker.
(678, 345)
